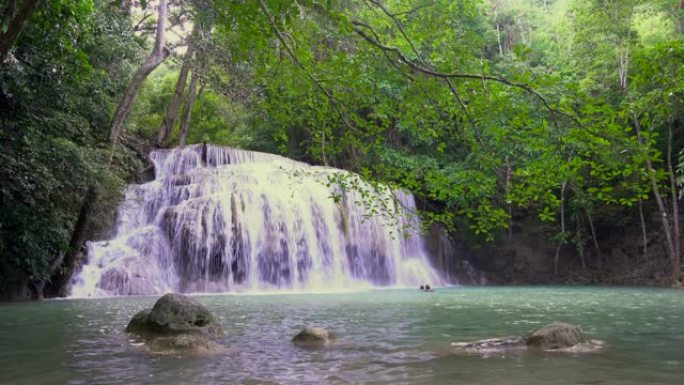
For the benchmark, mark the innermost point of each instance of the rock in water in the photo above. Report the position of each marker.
(139, 323)
(177, 324)
(314, 336)
(176, 313)
(556, 335)
(491, 345)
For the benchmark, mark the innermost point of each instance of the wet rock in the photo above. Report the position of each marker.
(177, 324)
(174, 314)
(491, 345)
(314, 336)
(557, 335)
(138, 324)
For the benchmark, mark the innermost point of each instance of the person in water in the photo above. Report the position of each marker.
(428, 288)
(422, 287)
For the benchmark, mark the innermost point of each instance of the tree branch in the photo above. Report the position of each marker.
(298, 63)
(18, 23)
(416, 8)
(448, 81)
(451, 75)
(139, 23)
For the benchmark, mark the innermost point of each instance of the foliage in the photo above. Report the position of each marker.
(486, 110)
(57, 92)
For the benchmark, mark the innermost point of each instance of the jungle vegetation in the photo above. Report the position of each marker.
(566, 113)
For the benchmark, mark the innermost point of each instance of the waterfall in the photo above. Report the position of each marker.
(219, 219)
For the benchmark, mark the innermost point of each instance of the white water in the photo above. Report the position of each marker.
(218, 219)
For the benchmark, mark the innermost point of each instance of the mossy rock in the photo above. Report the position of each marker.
(174, 314)
(557, 335)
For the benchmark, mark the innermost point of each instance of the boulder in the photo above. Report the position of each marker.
(314, 336)
(174, 314)
(177, 324)
(557, 335)
(491, 345)
(138, 324)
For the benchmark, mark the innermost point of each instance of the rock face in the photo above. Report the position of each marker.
(177, 324)
(314, 336)
(557, 335)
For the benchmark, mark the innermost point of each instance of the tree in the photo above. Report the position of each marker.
(187, 110)
(78, 236)
(16, 24)
(164, 131)
(159, 53)
(56, 99)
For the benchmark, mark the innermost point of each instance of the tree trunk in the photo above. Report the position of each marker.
(556, 258)
(623, 58)
(644, 234)
(18, 23)
(670, 243)
(677, 259)
(158, 55)
(61, 275)
(599, 260)
(165, 129)
(187, 111)
(8, 12)
(580, 244)
(60, 278)
(509, 171)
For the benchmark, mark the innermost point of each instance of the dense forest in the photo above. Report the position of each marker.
(545, 138)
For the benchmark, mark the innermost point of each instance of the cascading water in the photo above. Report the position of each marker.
(218, 219)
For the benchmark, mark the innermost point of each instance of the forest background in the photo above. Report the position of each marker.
(542, 139)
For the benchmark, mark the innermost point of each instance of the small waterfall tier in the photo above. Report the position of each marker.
(218, 219)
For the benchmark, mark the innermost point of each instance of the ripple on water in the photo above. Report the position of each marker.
(387, 337)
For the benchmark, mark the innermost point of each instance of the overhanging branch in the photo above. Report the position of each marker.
(361, 28)
(295, 60)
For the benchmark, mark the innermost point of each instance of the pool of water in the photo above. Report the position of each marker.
(387, 337)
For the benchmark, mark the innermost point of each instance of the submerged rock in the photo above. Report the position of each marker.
(314, 336)
(491, 345)
(177, 324)
(556, 335)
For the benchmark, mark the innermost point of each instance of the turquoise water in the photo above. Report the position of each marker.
(387, 337)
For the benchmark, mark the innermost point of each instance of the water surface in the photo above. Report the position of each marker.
(388, 337)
